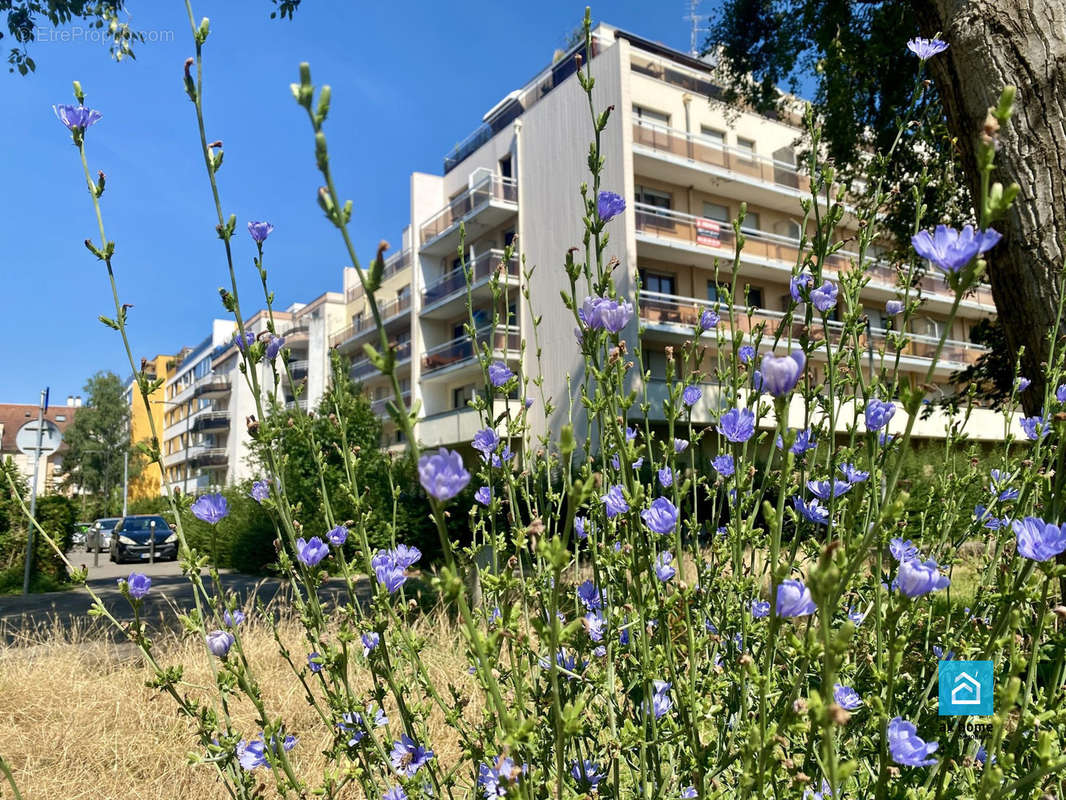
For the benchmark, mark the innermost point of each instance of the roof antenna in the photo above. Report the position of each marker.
(695, 19)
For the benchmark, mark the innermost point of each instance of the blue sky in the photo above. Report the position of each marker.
(409, 81)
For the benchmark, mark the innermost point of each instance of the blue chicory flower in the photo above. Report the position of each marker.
(219, 643)
(680, 445)
(902, 550)
(746, 353)
(664, 571)
(370, 640)
(798, 284)
(780, 375)
(878, 413)
(812, 511)
(826, 489)
(78, 117)
(231, 619)
(587, 773)
(824, 298)
(1023, 384)
(1036, 427)
(252, 755)
(609, 205)
(709, 319)
(590, 596)
(666, 477)
(916, 578)
(951, 250)
(314, 662)
(395, 793)
(442, 474)
(1060, 393)
(723, 465)
(760, 608)
(926, 48)
(138, 584)
(661, 517)
(894, 307)
(846, 697)
(794, 599)
(485, 441)
(691, 395)
(1039, 540)
(614, 501)
(906, 747)
(260, 491)
(259, 231)
(274, 346)
(408, 756)
(660, 699)
(243, 342)
(499, 374)
(312, 551)
(483, 495)
(338, 536)
(853, 475)
(737, 425)
(352, 723)
(212, 508)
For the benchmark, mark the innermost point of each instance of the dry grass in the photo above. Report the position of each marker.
(78, 721)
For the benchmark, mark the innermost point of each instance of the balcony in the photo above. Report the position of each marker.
(346, 339)
(381, 406)
(447, 296)
(297, 334)
(298, 368)
(293, 404)
(451, 355)
(670, 234)
(671, 154)
(364, 368)
(488, 203)
(212, 386)
(210, 421)
(394, 264)
(670, 315)
(201, 456)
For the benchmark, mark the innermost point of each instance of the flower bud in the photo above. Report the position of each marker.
(219, 643)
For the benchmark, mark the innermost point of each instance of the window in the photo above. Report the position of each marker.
(746, 146)
(654, 197)
(505, 166)
(716, 211)
(716, 136)
(461, 395)
(60, 418)
(716, 292)
(512, 313)
(648, 116)
(924, 326)
(788, 228)
(508, 237)
(751, 222)
(657, 282)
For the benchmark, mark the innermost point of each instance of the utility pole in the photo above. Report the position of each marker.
(33, 491)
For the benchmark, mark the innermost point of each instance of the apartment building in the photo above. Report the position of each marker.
(208, 401)
(684, 163)
(149, 482)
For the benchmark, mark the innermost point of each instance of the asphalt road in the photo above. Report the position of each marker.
(31, 618)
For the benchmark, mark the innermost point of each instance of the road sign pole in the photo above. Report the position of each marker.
(125, 481)
(33, 492)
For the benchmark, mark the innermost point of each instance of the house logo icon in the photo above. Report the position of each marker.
(965, 688)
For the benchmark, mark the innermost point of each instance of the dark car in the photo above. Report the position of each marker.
(136, 536)
(99, 535)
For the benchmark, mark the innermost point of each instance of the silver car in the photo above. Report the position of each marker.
(99, 535)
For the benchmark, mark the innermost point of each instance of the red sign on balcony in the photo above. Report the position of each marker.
(707, 232)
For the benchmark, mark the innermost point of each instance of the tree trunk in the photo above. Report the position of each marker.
(995, 43)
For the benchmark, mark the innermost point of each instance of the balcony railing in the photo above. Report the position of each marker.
(665, 309)
(200, 456)
(209, 384)
(380, 406)
(491, 187)
(482, 267)
(394, 264)
(211, 421)
(676, 226)
(463, 349)
(364, 367)
(706, 150)
(389, 311)
(298, 368)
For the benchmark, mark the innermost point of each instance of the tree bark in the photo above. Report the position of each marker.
(995, 43)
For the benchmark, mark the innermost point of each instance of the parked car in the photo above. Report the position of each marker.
(132, 539)
(80, 537)
(100, 534)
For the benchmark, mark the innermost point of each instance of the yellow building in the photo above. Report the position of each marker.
(147, 483)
